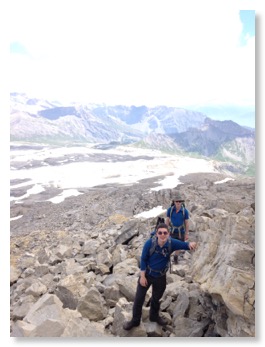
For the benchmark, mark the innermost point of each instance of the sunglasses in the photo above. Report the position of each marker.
(178, 201)
(162, 232)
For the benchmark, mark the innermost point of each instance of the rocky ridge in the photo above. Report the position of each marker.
(75, 265)
(178, 130)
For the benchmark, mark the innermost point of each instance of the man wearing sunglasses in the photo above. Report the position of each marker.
(153, 273)
(178, 220)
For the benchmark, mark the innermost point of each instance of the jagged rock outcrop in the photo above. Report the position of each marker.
(78, 277)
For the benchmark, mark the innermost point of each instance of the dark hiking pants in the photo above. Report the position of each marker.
(158, 287)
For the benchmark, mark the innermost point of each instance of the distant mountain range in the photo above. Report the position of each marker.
(243, 115)
(175, 130)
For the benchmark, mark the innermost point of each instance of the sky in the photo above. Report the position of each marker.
(134, 52)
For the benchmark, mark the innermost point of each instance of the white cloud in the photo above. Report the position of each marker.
(148, 52)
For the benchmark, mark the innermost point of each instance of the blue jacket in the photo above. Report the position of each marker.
(158, 261)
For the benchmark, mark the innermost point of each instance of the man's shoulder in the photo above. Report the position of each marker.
(150, 241)
(186, 211)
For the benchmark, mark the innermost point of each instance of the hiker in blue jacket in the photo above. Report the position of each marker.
(178, 220)
(153, 273)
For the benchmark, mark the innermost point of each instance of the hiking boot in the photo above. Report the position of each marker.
(129, 325)
(176, 260)
(159, 320)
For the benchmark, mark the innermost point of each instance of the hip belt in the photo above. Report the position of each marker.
(161, 272)
(179, 230)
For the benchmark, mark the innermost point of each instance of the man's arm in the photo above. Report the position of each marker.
(167, 220)
(186, 229)
(192, 246)
(143, 280)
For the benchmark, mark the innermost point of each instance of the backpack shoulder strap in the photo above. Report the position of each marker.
(153, 245)
(183, 210)
(171, 210)
(169, 251)
(169, 246)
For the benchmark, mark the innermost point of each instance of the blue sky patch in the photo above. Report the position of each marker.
(247, 18)
(17, 48)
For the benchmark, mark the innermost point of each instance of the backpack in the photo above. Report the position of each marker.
(159, 220)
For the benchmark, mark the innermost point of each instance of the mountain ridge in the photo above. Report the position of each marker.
(171, 129)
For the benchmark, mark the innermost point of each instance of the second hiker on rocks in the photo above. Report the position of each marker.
(153, 273)
(178, 221)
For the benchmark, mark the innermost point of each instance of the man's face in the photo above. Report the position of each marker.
(162, 234)
(177, 203)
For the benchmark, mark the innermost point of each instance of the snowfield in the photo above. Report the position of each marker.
(131, 165)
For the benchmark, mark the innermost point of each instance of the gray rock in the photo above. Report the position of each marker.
(79, 261)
